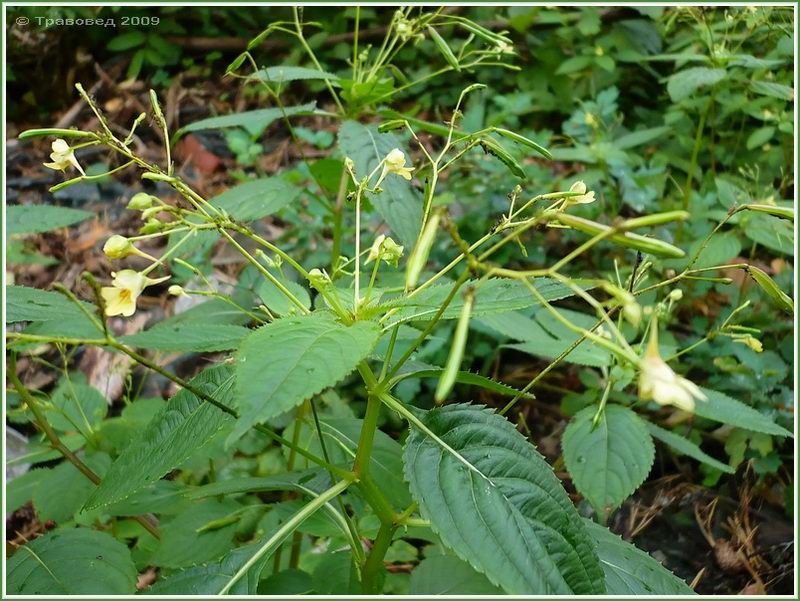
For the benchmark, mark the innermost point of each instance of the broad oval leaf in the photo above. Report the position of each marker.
(184, 424)
(76, 561)
(448, 575)
(631, 571)
(399, 204)
(189, 336)
(683, 83)
(256, 199)
(291, 359)
(611, 461)
(495, 501)
(31, 219)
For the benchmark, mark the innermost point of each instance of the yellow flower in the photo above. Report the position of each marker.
(127, 285)
(584, 198)
(119, 247)
(63, 156)
(385, 249)
(395, 162)
(658, 382)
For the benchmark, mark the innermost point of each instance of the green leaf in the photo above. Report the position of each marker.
(630, 571)
(760, 137)
(492, 296)
(76, 407)
(126, 41)
(495, 501)
(33, 304)
(448, 575)
(184, 542)
(190, 336)
(687, 447)
(772, 89)
(185, 423)
(256, 199)
(642, 136)
(290, 73)
(254, 122)
(74, 561)
(277, 302)
(722, 408)
(683, 83)
(209, 578)
(399, 204)
(607, 463)
(32, 219)
(20, 490)
(291, 359)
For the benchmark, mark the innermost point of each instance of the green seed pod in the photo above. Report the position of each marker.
(444, 49)
(59, 133)
(492, 147)
(419, 256)
(237, 62)
(450, 373)
(391, 125)
(512, 135)
(768, 285)
(655, 219)
(652, 246)
(781, 212)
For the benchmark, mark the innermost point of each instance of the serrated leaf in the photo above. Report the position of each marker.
(293, 358)
(683, 83)
(74, 561)
(33, 304)
(607, 463)
(495, 501)
(32, 219)
(256, 199)
(687, 447)
(186, 423)
(722, 408)
(448, 575)
(254, 122)
(209, 578)
(399, 204)
(631, 571)
(497, 295)
(189, 336)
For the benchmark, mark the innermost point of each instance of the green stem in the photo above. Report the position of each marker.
(372, 567)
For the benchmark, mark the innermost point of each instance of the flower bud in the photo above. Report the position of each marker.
(141, 201)
(676, 295)
(118, 247)
(176, 290)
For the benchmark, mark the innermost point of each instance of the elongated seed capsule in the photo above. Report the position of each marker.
(655, 219)
(782, 212)
(52, 131)
(627, 239)
(769, 286)
(419, 256)
(448, 377)
(512, 135)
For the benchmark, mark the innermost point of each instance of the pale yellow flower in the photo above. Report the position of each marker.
(658, 382)
(119, 247)
(395, 162)
(584, 198)
(63, 156)
(120, 298)
(385, 249)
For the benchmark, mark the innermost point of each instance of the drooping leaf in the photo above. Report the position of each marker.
(416, 369)
(75, 561)
(256, 199)
(186, 423)
(448, 575)
(631, 571)
(287, 361)
(607, 463)
(722, 408)
(399, 204)
(687, 447)
(189, 336)
(254, 122)
(32, 219)
(495, 501)
(683, 83)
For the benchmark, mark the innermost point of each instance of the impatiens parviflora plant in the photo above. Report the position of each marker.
(470, 479)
